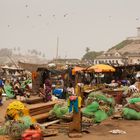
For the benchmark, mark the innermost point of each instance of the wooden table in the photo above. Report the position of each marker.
(117, 94)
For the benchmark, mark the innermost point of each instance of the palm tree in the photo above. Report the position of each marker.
(43, 55)
(87, 49)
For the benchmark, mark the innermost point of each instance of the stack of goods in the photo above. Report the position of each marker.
(60, 110)
(13, 129)
(87, 87)
(132, 110)
(33, 133)
(18, 111)
(9, 91)
(17, 120)
(25, 83)
(98, 107)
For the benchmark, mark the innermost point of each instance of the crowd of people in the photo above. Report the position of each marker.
(60, 87)
(14, 87)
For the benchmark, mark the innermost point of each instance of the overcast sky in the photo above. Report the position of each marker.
(97, 24)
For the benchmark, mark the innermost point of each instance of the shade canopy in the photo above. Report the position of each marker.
(76, 69)
(101, 68)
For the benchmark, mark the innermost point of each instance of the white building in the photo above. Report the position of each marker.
(114, 58)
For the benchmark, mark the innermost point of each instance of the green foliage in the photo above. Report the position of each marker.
(87, 49)
(91, 55)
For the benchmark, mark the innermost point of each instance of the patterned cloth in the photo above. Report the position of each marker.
(48, 89)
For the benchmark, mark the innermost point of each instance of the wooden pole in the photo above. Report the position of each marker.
(57, 48)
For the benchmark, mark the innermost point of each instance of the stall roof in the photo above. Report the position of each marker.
(11, 68)
(52, 71)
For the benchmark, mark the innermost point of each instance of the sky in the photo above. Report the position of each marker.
(97, 24)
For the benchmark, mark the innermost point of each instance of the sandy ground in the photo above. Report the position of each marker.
(99, 132)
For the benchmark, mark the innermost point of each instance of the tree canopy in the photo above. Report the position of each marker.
(91, 55)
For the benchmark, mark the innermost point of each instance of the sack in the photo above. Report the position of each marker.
(90, 109)
(100, 116)
(98, 95)
(134, 100)
(137, 105)
(130, 114)
(59, 110)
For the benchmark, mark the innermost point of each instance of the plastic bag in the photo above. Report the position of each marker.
(90, 109)
(100, 116)
(130, 114)
(134, 100)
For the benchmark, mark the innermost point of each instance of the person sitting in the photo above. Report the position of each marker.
(48, 89)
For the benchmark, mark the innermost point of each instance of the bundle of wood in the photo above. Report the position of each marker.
(40, 111)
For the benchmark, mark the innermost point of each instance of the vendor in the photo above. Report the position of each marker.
(70, 90)
(48, 89)
(1, 90)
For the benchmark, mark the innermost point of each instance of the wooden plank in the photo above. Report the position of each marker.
(34, 99)
(67, 124)
(41, 111)
(44, 107)
(41, 116)
(75, 135)
(50, 123)
(39, 105)
(50, 132)
(58, 127)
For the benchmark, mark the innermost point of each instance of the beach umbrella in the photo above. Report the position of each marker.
(76, 69)
(101, 68)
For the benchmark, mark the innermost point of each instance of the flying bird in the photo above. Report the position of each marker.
(65, 15)
(26, 5)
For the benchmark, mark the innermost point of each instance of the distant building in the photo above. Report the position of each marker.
(113, 58)
(67, 61)
(126, 52)
(136, 37)
(133, 58)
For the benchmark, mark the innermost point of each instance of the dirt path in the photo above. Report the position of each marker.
(99, 132)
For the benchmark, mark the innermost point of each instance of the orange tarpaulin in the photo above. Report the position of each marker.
(101, 68)
(76, 69)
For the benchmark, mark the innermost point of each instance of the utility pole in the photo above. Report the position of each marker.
(57, 49)
(12, 61)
